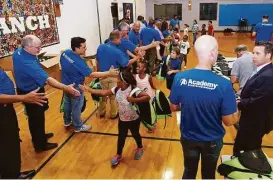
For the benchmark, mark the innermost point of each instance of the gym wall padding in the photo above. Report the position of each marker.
(230, 14)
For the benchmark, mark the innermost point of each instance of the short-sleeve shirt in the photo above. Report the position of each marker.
(134, 37)
(28, 73)
(109, 55)
(243, 68)
(74, 68)
(210, 30)
(204, 98)
(173, 64)
(125, 108)
(6, 84)
(165, 33)
(125, 45)
(148, 35)
(184, 47)
(195, 28)
(264, 31)
(174, 23)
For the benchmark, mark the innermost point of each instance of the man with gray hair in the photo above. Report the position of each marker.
(29, 75)
(242, 67)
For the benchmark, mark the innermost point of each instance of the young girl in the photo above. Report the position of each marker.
(144, 81)
(195, 29)
(184, 50)
(128, 117)
(186, 29)
(203, 31)
(173, 66)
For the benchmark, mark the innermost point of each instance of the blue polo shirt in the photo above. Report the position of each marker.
(174, 22)
(6, 85)
(108, 55)
(134, 37)
(125, 45)
(148, 35)
(165, 33)
(174, 64)
(264, 31)
(204, 98)
(74, 68)
(28, 73)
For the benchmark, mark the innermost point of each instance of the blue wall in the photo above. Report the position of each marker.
(229, 14)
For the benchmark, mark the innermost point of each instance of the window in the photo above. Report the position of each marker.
(167, 11)
(208, 11)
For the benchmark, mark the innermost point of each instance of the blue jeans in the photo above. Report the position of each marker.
(72, 109)
(209, 152)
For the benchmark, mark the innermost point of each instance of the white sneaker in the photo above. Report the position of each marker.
(83, 128)
(185, 67)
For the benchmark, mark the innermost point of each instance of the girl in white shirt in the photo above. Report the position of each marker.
(128, 117)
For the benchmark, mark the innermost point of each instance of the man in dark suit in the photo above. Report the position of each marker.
(256, 102)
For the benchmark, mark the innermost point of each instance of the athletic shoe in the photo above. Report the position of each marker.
(67, 124)
(83, 128)
(185, 67)
(116, 159)
(138, 153)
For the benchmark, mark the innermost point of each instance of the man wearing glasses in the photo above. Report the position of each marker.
(29, 75)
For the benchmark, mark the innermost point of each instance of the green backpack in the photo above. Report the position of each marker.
(145, 110)
(95, 84)
(163, 68)
(248, 165)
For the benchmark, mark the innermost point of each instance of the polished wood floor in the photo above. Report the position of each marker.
(87, 155)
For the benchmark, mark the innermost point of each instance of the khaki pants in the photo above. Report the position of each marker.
(150, 57)
(108, 84)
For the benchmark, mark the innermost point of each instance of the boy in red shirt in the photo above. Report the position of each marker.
(210, 29)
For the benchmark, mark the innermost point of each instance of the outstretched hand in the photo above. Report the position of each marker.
(113, 72)
(35, 98)
(71, 90)
(83, 88)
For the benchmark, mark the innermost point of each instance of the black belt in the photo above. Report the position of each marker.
(5, 106)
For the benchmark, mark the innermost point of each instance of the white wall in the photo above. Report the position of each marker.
(77, 19)
(106, 20)
(80, 18)
(189, 16)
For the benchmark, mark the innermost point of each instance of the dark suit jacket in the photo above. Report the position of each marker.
(257, 103)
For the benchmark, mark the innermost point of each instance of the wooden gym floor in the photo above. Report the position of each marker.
(87, 155)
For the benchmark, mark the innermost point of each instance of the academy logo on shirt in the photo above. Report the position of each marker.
(68, 58)
(198, 84)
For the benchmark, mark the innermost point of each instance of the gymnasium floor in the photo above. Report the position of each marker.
(87, 155)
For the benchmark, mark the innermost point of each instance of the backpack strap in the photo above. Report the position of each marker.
(116, 89)
(168, 59)
(134, 91)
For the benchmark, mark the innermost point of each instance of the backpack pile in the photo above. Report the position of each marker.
(252, 164)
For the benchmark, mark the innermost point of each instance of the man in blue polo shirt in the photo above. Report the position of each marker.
(74, 70)
(134, 36)
(109, 55)
(206, 100)
(175, 22)
(263, 30)
(29, 75)
(147, 36)
(10, 154)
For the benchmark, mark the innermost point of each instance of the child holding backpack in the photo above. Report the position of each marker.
(128, 117)
(144, 81)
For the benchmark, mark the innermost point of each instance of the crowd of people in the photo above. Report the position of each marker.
(129, 59)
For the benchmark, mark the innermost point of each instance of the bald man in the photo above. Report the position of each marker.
(29, 75)
(206, 100)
